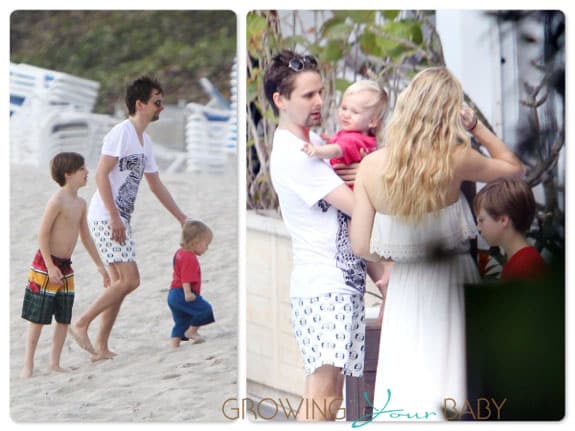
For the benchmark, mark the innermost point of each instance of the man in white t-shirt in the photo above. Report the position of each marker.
(126, 157)
(328, 281)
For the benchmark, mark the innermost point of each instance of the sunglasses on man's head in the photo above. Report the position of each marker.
(297, 64)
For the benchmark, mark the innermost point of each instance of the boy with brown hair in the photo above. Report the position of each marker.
(50, 287)
(505, 209)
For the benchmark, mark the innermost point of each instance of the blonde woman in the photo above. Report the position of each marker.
(409, 209)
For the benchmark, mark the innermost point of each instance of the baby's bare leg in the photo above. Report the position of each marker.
(34, 331)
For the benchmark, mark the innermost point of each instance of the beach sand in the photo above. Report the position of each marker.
(148, 380)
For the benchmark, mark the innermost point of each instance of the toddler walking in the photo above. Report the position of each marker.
(189, 309)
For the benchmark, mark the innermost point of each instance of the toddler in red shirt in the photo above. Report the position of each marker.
(189, 309)
(360, 116)
(505, 209)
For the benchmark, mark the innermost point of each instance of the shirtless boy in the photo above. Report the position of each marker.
(50, 287)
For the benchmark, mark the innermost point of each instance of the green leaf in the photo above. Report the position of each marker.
(251, 90)
(369, 44)
(336, 20)
(362, 16)
(340, 30)
(390, 48)
(390, 14)
(341, 84)
(405, 29)
(255, 24)
(332, 52)
(341, 14)
(294, 41)
(416, 33)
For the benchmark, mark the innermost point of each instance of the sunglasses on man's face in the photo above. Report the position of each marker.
(297, 64)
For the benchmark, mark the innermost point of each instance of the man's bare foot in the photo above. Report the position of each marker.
(26, 373)
(80, 335)
(103, 355)
(175, 342)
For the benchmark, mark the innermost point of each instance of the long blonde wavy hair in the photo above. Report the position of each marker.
(420, 138)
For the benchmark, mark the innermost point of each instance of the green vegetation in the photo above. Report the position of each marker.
(114, 47)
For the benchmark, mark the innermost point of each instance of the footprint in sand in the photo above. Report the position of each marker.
(171, 376)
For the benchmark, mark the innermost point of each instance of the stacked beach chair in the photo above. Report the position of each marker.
(51, 112)
(211, 129)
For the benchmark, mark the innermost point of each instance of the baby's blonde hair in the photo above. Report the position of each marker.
(378, 103)
(192, 230)
(420, 138)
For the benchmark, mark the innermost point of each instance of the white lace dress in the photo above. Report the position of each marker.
(422, 345)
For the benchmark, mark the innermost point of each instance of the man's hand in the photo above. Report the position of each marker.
(118, 229)
(183, 219)
(348, 172)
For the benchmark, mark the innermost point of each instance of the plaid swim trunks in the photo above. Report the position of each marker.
(43, 299)
(330, 330)
(110, 250)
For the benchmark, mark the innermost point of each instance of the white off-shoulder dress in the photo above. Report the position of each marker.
(422, 346)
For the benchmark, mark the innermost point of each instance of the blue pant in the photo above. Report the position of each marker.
(196, 313)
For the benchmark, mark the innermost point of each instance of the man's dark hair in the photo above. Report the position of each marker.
(280, 74)
(141, 89)
(65, 163)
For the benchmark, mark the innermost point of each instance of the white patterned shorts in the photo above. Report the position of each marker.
(112, 251)
(330, 330)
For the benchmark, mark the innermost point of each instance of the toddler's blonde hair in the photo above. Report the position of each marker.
(192, 230)
(378, 103)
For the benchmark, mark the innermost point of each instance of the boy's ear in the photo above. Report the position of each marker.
(504, 220)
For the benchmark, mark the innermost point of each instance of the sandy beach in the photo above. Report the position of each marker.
(148, 380)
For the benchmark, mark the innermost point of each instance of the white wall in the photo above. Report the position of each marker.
(472, 52)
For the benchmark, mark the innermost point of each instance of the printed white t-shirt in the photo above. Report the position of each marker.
(323, 261)
(133, 161)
